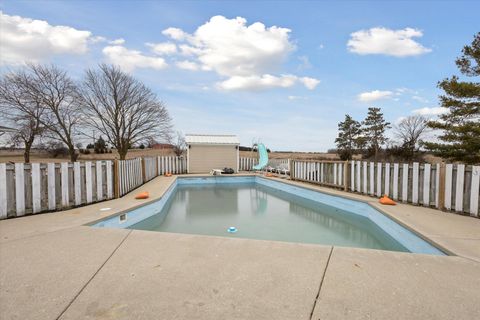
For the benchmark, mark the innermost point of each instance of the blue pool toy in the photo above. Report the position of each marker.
(232, 230)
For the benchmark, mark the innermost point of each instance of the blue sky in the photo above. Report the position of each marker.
(286, 88)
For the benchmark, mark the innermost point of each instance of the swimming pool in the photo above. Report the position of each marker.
(259, 208)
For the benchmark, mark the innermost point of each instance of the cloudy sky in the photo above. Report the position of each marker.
(284, 73)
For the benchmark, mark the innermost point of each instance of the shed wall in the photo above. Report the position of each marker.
(204, 158)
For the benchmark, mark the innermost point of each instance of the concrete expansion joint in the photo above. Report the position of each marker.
(93, 276)
(321, 283)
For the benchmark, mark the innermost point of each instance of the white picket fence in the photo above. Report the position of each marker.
(151, 171)
(246, 164)
(452, 187)
(330, 173)
(130, 175)
(37, 187)
(174, 165)
(284, 163)
(133, 173)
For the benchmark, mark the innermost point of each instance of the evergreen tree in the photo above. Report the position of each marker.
(349, 131)
(374, 129)
(461, 124)
(100, 145)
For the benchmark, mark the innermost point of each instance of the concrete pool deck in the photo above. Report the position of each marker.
(54, 267)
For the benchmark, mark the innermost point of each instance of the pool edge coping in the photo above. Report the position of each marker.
(381, 210)
(300, 184)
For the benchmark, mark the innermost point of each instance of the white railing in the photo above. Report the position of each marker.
(174, 165)
(453, 187)
(135, 172)
(38, 187)
(150, 167)
(330, 173)
(246, 164)
(129, 175)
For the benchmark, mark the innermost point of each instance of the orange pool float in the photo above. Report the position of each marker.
(142, 195)
(386, 200)
(168, 174)
(269, 175)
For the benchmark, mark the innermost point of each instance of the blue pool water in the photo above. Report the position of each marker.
(258, 208)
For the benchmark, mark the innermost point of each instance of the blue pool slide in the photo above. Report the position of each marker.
(263, 157)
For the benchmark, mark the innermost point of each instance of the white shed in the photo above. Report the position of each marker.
(207, 152)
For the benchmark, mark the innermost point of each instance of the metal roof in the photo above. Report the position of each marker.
(211, 139)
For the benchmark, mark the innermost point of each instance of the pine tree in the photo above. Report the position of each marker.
(349, 131)
(461, 124)
(374, 129)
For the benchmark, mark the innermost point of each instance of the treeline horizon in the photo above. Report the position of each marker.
(43, 101)
(459, 126)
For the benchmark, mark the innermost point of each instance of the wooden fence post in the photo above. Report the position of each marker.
(292, 169)
(346, 176)
(441, 188)
(116, 179)
(144, 173)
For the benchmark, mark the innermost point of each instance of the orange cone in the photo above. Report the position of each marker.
(386, 200)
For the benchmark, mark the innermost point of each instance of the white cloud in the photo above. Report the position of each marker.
(305, 63)
(247, 56)
(430, 111)
(163, 48)
(175, 33)
(293, 98)
(265, 81)
(374, 95)
(310, 83)
(397, 43)
(187, 65)
(117, 42)
(24, 39)
(97, 39)
(187, 50)
(419, 99)
(129, 60)
(255, 82)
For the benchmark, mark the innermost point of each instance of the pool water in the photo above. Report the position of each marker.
(262, 212)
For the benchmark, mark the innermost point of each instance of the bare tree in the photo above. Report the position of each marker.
(21, 109)
(122, 108)
(59, 101)
(410, 131)
(178, 143)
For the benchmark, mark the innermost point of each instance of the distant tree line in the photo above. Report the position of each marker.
(44, 101)
(459, 127)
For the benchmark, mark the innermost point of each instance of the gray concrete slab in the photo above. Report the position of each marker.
(41, 275)
(177, 276)
(45, 260)
(371, 284)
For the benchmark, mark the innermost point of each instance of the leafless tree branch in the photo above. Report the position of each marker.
(122, 108)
